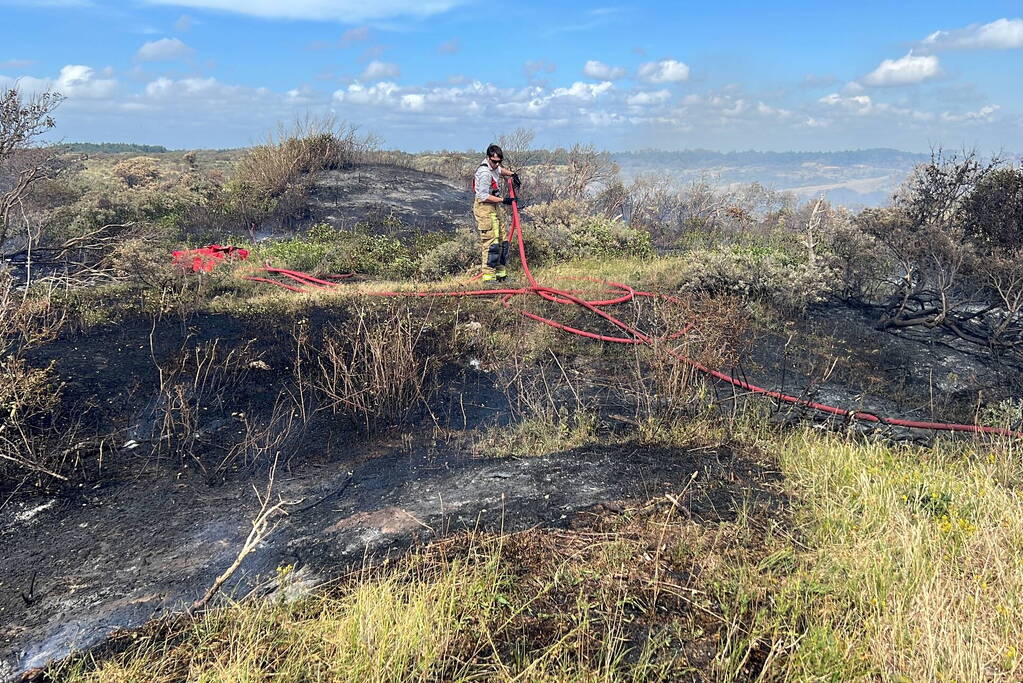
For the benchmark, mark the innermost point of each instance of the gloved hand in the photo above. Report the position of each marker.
(515, 179)
(509, 200)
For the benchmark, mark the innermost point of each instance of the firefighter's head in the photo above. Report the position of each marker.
(495, 155)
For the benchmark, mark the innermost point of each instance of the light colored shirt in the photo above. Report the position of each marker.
(484, 176)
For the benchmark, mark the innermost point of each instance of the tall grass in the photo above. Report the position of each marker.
(906, 566)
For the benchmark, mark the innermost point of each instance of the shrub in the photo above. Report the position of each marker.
(857, 259)
(450, 258)
(770, 276)
(993, 211)
(602, 237)
(558, 216)
(1007, 414)
(137, 171)
(28, 395)
(569, 229)
(328, 250)
(375, 367)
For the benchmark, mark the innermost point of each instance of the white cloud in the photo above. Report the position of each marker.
(856, 104)
(468, 101)
(27, 85)
(78, 81)
(642, 99)
(185, 87)
(378, 94)
(174, 110)
(602, 71)
(184, 23)
(350, 11)
(302, 95)
(663, 71)
(380, 71)
(211, 93)
(904, 71)
(863, 106)
(768, 110)
(583, 91)
(985, 113)
(1002, 34)
(413, 101)
(163, 50)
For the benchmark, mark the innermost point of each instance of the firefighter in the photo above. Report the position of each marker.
(488, 208)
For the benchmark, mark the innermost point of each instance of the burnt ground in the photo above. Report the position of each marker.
(838, 357)
(113, 557)
(383, 194)
(146, 536)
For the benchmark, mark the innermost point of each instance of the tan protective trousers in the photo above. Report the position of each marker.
(490, 221)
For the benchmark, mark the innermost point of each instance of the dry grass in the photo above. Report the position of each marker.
(617, 599)
(375, 367)
(913, 556)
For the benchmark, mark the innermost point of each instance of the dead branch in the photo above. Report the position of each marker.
(263, 525)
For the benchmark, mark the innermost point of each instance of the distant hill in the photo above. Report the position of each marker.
(112, 148)
(854, 178)
(879, 155)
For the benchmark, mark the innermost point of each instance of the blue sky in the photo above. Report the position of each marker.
(436, 74)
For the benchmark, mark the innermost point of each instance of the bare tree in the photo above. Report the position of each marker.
(518, 147)
(23, 163)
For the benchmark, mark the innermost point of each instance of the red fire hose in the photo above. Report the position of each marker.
(305, 282)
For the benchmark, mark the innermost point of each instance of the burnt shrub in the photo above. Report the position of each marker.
(993, 211)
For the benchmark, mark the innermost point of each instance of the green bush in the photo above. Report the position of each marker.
(771, 277)
(857, 258)
(993, 211)
(602, 237)
(566, 228)
(452, 257)
(104, 204)
(331, 251)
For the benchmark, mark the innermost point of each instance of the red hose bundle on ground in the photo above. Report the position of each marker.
(204, 259)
